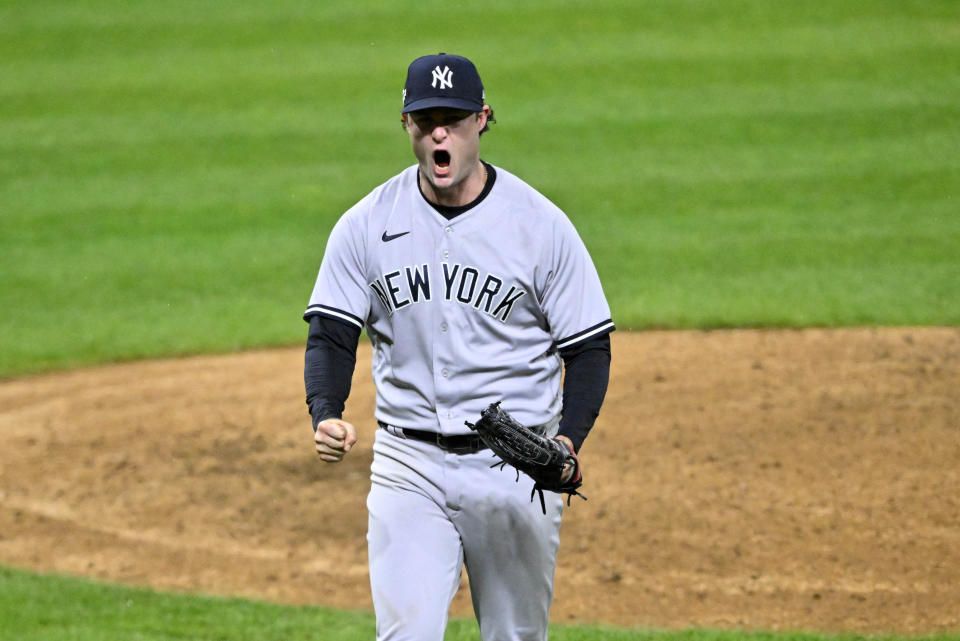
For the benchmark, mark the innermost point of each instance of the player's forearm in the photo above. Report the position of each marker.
(587, 373)
(329, 361)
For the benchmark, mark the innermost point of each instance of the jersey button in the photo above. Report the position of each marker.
(446, 254)
(443, 327)
(444, 372)
(449, 230)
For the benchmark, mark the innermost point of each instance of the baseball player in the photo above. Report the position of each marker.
(473, 288)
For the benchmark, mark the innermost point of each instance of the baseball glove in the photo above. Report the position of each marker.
(539, 457)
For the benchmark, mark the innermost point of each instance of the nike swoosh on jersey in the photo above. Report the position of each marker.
(386, 238)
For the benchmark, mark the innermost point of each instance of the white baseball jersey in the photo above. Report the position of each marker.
(462, 312)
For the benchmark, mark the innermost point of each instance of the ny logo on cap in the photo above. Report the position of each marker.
(445, 77)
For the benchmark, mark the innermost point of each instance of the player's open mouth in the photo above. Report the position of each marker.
(441, 160)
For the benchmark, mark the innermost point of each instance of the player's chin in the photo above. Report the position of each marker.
(441, 182)
(441, 178)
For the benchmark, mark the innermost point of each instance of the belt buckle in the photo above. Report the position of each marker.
(469, 447)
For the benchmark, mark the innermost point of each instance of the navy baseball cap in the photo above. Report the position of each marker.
(442, 80)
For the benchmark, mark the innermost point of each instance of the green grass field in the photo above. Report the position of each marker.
(169, 172)
(53, 608)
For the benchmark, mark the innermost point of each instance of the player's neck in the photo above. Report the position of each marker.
(462, 193)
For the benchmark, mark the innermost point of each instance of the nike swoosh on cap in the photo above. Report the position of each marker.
(386, 238)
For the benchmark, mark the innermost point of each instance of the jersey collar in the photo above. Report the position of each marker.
(450, 212)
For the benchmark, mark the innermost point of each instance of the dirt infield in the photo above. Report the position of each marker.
(750, 479)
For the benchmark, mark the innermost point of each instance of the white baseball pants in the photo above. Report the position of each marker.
(431, 513)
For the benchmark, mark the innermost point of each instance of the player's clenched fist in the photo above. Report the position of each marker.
(334, 438)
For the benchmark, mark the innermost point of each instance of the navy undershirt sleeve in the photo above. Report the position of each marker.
(586, 375)
(328, 366)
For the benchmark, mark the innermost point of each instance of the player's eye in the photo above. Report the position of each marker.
(424, 123)
(456, 118)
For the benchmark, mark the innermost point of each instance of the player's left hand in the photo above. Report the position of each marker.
(569, 469)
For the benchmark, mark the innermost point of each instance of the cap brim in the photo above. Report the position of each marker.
(440, 101)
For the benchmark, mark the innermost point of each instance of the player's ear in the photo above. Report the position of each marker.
(482, 117)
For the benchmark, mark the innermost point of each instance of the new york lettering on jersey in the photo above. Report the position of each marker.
(464, 284)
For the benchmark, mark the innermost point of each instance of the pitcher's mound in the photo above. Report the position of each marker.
(750, 479)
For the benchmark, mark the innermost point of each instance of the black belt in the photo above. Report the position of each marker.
(456, 444)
